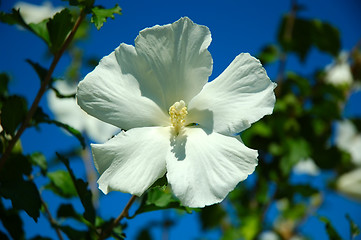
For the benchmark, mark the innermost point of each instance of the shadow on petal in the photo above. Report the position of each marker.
(178, 146)
(203, 118)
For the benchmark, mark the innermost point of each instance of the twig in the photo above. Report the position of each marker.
(123, 214)
(52, 221)
(41, 91)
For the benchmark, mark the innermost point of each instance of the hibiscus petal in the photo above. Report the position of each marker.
(113, 96)
(203, 169)
(240, 96)
(178, 59)
(133, 160)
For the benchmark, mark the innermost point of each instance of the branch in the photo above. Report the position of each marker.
(41, 91)
(123, 214)
(52, 221)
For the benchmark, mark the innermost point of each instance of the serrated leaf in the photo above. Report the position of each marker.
(61, 184)
(100, 15)
(59, 27)
(84, 193)
(13, 112)
(23, 195)
(38, 29)
(332, 233)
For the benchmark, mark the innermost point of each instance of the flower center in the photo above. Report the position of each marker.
(178, 113)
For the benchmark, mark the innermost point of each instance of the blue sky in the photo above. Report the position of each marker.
(236, 26)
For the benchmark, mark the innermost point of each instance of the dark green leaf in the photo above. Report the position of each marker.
(144, 235)
(68, 211)
(23, 195)
(211, 216)
(14, 168)
(326, 37)
(39, 160)
(354, 229)
(3, 236)
(60, 95)
(12, 222)
(41, 117)
(307, 33)
(300, 40)
(38, 29)
(81, 3)
(4, 81)
(61, 183)
(268, 54)
(74, 233)
(100, 15)
(159, 198)
(332, 233)
(41, 71)
(84, 193)
(13, 112)
(59, 27)
(38, 237)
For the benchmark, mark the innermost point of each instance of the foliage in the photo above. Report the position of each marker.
(301, 127)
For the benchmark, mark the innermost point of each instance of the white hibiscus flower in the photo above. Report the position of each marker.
(33, 13)
(67, 111)
(348, 139)
(350, 184)
(339, 72)
(176, 122)
(306, 166)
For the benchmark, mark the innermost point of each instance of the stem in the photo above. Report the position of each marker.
(123, 214)
(52, 221)
(41, 91)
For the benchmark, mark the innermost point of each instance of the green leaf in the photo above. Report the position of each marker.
(41, 117)
(23, 195)
(332, 233)
(39, 160)
(68, 211)
(13, 112)
(144, 235)
(159, 198)
(81, 3)
(38, 29)
(326, 37)
(211, 216)
(100, 15)
(74, 233)
(84, 193)
(61, 183)
(269, 54)
(41, 71)
(354, 229)
(307, 33)
(296, 150)
(4, 81)
(12, 222)
(14, 168)
(59, 27)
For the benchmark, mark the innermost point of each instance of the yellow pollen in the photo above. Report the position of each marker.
(178, 113)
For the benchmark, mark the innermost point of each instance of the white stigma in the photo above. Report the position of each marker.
(178, 113)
